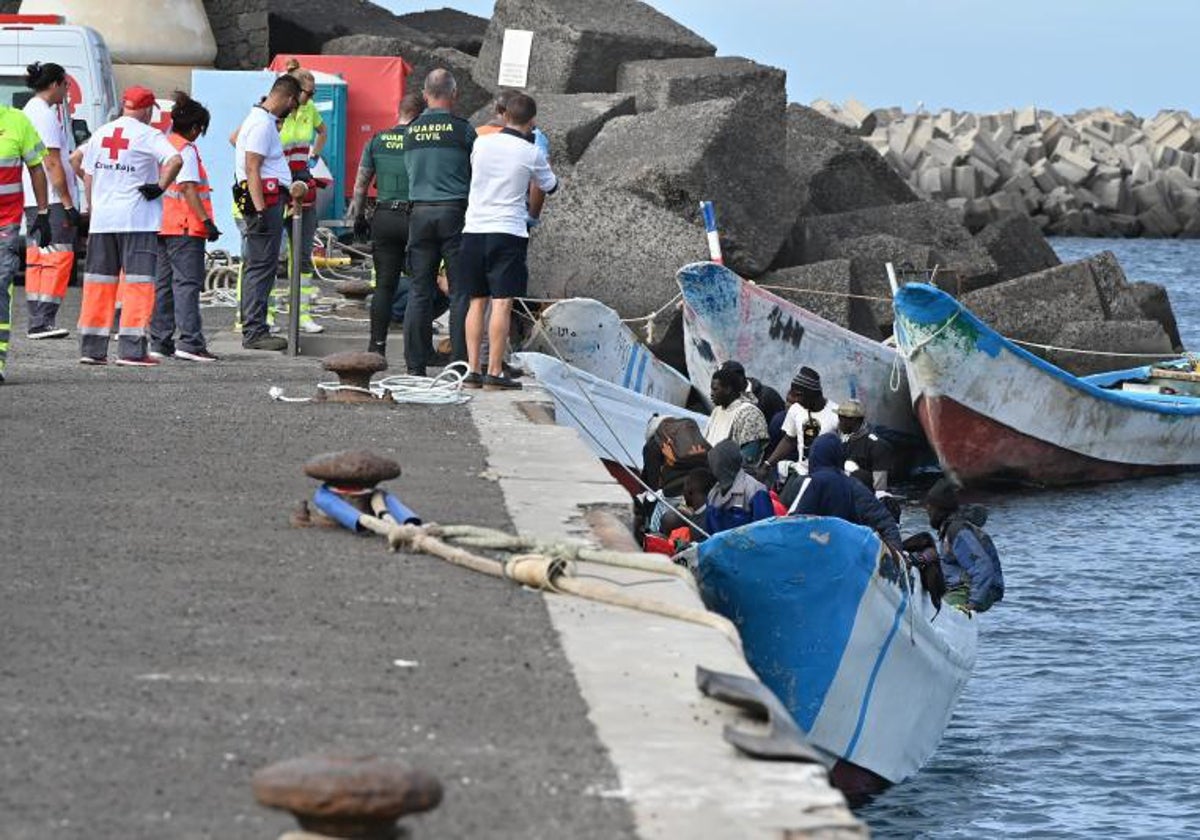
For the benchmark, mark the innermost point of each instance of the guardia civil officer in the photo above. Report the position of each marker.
(383, 163)
(437, 156)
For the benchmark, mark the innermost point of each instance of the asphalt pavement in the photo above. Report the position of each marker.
(164, 632)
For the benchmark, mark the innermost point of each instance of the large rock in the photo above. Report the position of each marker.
(1118, 299)
(578, 45)
(570, 121)
(1146, 338)
(1034, 307)
(684, 81)
(471, 96)
(450, 28)
(677, 157)
(303, 26)
(1155, 305)
(603, 242)
(1017, 246)
(869, 256)
(829, 289)
(922, 222)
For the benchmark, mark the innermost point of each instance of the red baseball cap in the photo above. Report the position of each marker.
(137, 97)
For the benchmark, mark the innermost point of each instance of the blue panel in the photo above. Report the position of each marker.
(792, 586)
(229, 95)
(330, 99)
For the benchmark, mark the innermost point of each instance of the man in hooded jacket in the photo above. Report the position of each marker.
(969, 560)
(828, 491)
(736, 499)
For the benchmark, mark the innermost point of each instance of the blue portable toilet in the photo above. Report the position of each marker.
(229, 95)
(330, 99)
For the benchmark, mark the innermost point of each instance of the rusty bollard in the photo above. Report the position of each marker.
(339, 796)
(354, 369)
(355, 290)
(352, 475)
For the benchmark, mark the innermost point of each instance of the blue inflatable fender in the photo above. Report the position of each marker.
(337, 508)
(400, 511)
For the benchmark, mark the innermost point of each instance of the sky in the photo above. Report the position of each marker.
(977, 55)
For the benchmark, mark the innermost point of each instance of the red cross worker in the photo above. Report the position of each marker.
(127, 165)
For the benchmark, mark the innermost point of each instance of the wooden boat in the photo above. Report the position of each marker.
(854, 649)
(590, 336)
(724, 318)
(611, 420)
(994, 412)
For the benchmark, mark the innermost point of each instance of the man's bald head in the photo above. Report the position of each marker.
(441, 90)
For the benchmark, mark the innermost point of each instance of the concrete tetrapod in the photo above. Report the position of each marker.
(347, 796)
(354, 369)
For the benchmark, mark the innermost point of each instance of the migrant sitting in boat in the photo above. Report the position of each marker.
(868, 456)
(737, 499)
(809, 414)
(673, 449)
(828, 491)
(968, 558)
(735, 416)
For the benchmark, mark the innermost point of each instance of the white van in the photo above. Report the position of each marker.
(25, 39)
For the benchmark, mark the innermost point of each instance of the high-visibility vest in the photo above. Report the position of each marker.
(178, 218)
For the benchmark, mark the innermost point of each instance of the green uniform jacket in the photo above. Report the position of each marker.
(437, 154)
(384, 156)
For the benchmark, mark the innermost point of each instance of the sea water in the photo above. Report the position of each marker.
(1082, 718)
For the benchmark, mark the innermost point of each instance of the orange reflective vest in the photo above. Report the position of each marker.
(178, 218)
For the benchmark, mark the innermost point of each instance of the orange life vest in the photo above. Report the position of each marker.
(178, 218)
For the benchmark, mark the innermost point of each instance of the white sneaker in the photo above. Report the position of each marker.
(311, 327)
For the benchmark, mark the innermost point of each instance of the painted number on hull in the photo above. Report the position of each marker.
(785, 327)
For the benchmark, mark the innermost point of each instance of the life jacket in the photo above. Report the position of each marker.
(178, 218)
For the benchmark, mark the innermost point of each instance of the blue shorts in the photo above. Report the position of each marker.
(494, 264)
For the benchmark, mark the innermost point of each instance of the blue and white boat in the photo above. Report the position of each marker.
(853, 648)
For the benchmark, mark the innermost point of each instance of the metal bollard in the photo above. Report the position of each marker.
(294, 281)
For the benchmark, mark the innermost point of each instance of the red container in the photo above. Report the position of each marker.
(374, 88)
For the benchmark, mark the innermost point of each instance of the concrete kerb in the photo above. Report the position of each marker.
(636, 671)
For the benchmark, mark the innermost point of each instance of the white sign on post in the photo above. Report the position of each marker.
(514, 58)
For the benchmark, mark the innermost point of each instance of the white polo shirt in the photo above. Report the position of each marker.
(502, 167)
(120, 157)
(260, 135)
(48, 122)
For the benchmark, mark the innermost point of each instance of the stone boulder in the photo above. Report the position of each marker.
(1017, 246)
(684, 81)
(1155, 305)
(677, 157)
(303, 26)
(929, 223)
(829, 289)
(1034, 307)
(449, 28)
(1120, 304)
(869, 256)
(570, 121)
(1141, 337)
(578, 45)
(603, 242)
(471, 96)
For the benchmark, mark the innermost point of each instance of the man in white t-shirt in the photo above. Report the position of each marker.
(48, 270)
(496, 234)
(262, 179)
(809, 415)
(127, 166)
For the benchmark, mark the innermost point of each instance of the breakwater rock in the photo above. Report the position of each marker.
(1096, 172)
(645, 122)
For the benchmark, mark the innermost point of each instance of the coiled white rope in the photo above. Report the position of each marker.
(443, 389)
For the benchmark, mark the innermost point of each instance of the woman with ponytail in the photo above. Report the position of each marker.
(48, 270)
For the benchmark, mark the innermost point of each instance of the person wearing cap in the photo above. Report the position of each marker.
(828, 491)
(809, 414)
(735, 415)
(127, 166)
(968, 557)
(736, 499)
(868, 456)
(48, 270)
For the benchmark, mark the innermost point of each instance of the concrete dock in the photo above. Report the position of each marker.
(166, 632)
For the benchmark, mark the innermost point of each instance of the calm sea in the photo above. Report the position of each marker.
(1083, 716)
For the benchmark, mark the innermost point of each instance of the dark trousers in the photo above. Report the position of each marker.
(177, 294)
(434, 234)
(389, 237)
(260, 260)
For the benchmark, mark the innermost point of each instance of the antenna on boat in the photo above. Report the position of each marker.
(892, 281)
(709, 212)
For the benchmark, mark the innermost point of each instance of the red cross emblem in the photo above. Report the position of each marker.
(115, 143)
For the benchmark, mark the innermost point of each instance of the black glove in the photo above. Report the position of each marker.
(151, 191)
(74, 217)
(362, 228)
(211, 232)
(40, 229)
(256, 224)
